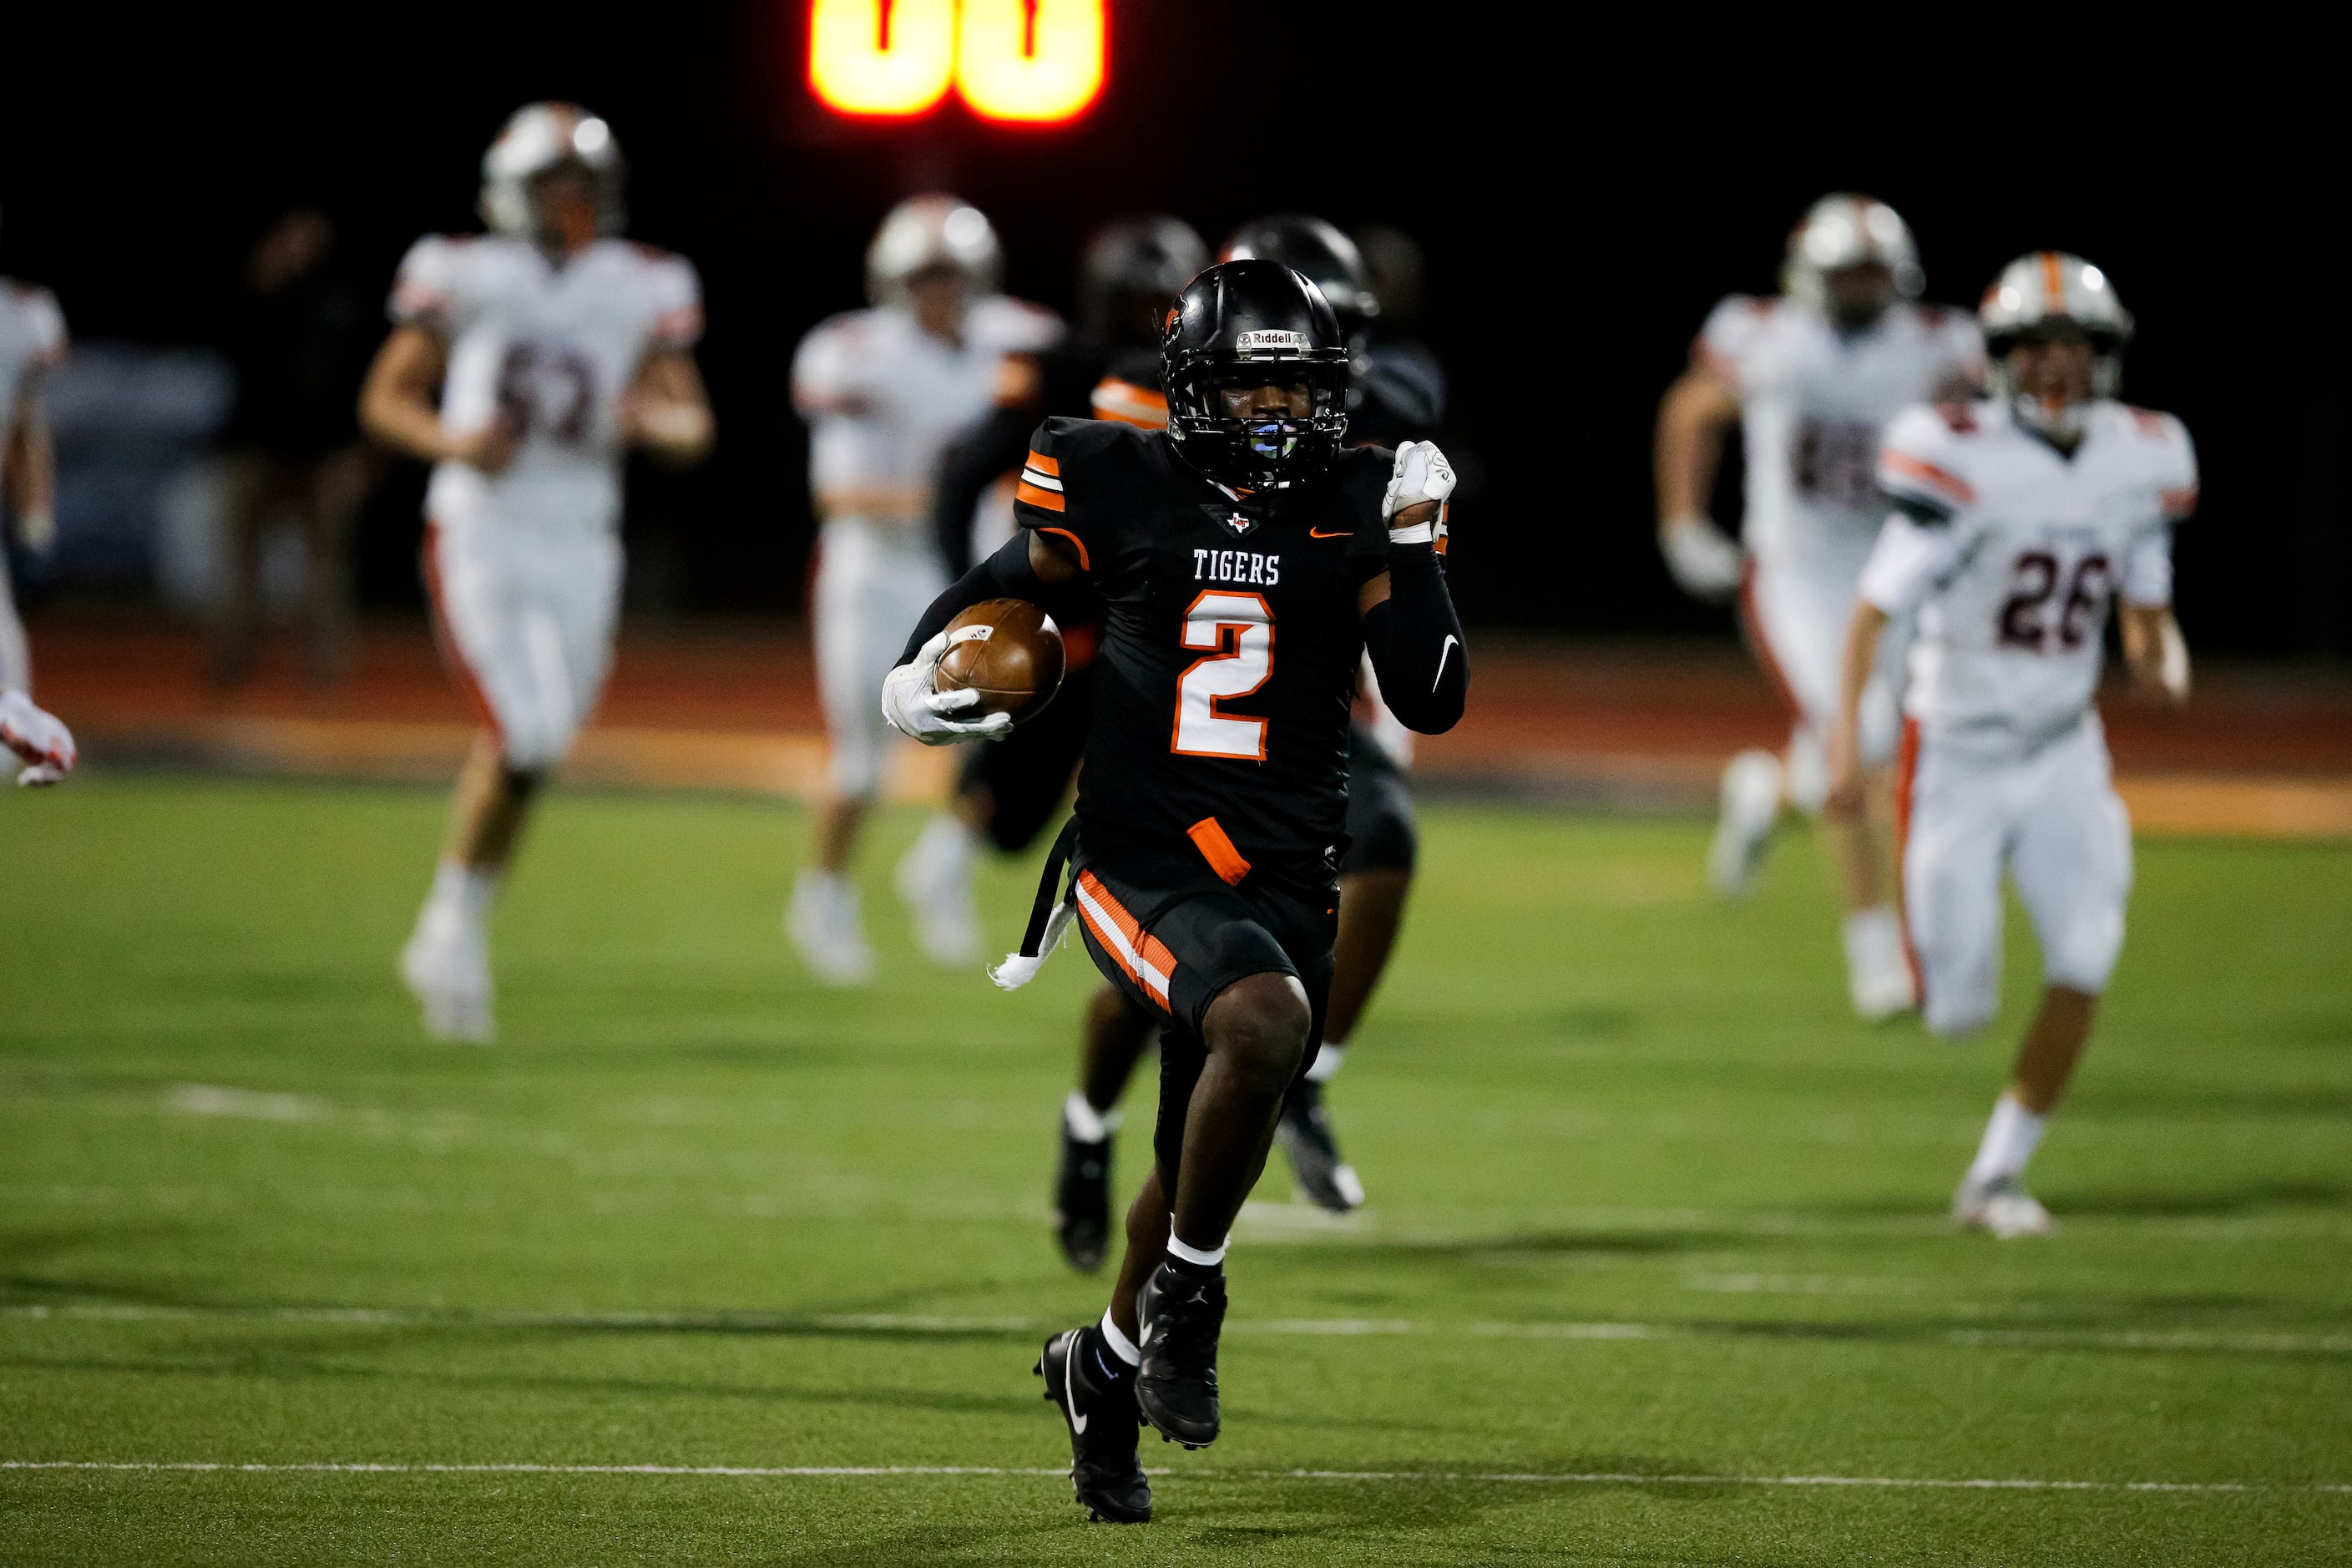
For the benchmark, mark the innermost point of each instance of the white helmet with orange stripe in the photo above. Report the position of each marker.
(537, 139)
(1846, 233)
(2051, 295)
(924, 233)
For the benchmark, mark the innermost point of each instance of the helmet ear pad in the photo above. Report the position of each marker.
(1254, 322)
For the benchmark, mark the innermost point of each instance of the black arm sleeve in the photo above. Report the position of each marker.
(1006, 574)
(1415, 641)
(993, 446)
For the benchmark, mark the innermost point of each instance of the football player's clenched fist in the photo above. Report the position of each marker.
(40, 738)
(1421, 477)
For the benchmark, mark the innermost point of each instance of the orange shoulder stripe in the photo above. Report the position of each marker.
(1929, 474)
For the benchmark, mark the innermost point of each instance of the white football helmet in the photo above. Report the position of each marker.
(537, 138)
(2048, 288)
(932, 231)
(1843, 230)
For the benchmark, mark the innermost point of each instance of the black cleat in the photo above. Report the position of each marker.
(1096, 1394)
(1305, 1135)
(1081, 1202)
(1176, 1387)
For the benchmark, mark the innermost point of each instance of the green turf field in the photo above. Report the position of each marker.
(1654, 1227)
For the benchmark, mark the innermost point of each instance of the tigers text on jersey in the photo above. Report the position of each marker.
(1230, 637)
(2011, 552)
(32, 337)
(553, 346)
(886, 397)
(1813, 402)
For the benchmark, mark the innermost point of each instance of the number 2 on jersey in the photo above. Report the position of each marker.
(1239, 627)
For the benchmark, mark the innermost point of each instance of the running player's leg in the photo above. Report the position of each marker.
(1955, 840)
(529, 632)
(857, 630)
(2072, 865)
(1375, 880)
(1798, 613)
(1112, 1040)
(15, 652)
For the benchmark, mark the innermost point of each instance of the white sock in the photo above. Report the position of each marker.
(1087, 1124)
(2009, 1141)
(1120, 1346)
(1200, 1256)
(1873, 937)
(468, 890)
(945, 846)
(1329, 1059)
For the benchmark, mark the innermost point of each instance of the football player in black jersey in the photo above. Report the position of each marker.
(1005, 793)
(1247, 560)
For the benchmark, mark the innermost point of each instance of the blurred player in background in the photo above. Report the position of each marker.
(885, 390)
(523, 364)
(1214, 797)
(2018, 521)
(301, 343)
(1811, 378)
(32, 343)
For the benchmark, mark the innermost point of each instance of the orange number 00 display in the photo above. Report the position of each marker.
(1036, 61)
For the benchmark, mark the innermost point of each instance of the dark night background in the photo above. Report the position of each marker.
(1583, 202)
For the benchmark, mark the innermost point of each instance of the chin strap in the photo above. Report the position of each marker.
(2064, 423)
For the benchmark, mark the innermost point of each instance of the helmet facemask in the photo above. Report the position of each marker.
(1259, 450)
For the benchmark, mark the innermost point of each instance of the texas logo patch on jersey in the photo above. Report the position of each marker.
(1239, 525)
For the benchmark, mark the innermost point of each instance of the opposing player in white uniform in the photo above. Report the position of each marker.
(1811, 378)
(553, 346)
(2018, 521)
(32, 343)
(885, 390)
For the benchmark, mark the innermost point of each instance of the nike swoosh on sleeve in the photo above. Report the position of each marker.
(1319, 533)
(1444, 649)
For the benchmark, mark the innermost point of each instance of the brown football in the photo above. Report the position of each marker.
(1015, 662)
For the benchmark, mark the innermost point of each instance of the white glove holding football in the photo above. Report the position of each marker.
(1422, 474)
(1703, 558)
(38, 737)
(913, 708)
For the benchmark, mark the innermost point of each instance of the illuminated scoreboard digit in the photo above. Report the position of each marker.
(1024, 61)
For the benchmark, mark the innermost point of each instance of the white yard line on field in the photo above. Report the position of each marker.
(917, 1324)
(1586, 1478)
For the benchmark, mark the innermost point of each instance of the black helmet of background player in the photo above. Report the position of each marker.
(1130, 271)
(1317, 251)
(1237, 330)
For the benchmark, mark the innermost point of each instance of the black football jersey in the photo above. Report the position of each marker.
(1230, 637)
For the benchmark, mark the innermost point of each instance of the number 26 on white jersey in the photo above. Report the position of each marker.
(1239, 629)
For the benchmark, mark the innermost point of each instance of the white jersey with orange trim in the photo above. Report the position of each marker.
(2011, 552)
(885, 398)
(32, 339)
(556, 347)
(1813, 400)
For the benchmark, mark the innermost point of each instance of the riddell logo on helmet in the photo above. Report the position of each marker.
(1270, 341)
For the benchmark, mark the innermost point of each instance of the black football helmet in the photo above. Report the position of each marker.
(1130, 271)
(1250, 324)
(1328, 257)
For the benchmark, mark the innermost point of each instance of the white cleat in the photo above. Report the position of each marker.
(1999, 1207)
(1752, 787)
(446, 966)
(934, 881)
(825, 925)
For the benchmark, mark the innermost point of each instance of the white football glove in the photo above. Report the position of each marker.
(36, 531)
(40, 738)
(1703, 558)
(1422, 474)
(914, 707)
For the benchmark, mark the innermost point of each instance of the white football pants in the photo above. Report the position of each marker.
(2052, 820)
(873, 584)
(15, 654)
(1796, 610)
(530, 617)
